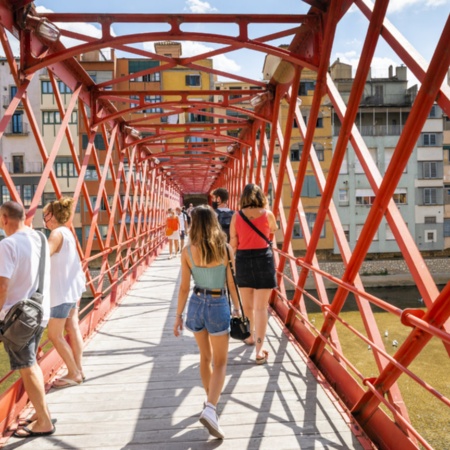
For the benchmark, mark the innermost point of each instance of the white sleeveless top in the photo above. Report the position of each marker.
(67, 279)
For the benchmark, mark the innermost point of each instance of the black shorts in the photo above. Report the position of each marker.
(255, 269)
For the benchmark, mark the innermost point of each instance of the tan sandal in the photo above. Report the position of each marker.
(262, 359)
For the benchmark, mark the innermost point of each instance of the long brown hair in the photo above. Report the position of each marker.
(206, 234)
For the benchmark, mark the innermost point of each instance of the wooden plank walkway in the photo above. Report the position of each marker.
(143, 388)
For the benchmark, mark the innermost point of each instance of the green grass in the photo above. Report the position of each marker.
(429, 416)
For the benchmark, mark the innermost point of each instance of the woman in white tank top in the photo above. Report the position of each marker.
(67, 284)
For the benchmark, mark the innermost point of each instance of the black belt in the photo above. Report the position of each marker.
(213, 292)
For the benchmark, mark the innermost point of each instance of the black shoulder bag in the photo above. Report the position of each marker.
(24, 318)
(239, 326)
(255, 229)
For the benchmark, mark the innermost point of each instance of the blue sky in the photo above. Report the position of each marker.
(420, 21)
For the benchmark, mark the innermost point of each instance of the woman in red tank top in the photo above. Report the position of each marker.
(255, 268)
(173, 225)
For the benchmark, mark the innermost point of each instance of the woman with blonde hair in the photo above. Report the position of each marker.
(208, 258)
(250, 231)
(67, 283)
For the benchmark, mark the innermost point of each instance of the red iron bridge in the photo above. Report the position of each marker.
(130, 137)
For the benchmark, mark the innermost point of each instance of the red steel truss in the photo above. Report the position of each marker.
(150, 164)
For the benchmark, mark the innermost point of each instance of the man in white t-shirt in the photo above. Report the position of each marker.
(182, 220)
(20, 254)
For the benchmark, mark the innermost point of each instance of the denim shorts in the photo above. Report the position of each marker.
(210, 313)
(26, 357)
(62, 311)
(255, 269)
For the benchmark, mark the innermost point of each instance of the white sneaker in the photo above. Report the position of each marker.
(209, 419)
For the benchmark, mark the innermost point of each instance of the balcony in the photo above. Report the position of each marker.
(388, 100)
(17, 129)
(375, 130)
(27, 167)
(6, 100)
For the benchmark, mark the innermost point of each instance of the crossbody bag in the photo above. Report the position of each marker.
(24, 318)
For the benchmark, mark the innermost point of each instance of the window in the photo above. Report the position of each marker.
(359, 230)
(311, 219)
(430, 169)
(12, 92)
(152, 99)
(17, 124)
(51, 117)
(430, 196)
(319, 123)
(429, 139)
(306, 86)
(103, 229)
(319, 151)
(295, 154)
(98, 142)
(358, 165)
(365, 197)
(430, 236)
(18, 166)
(235, 96)
(430, 219)
(446, 227)
(346, 229)
(344, 165)
(63, 89)
(389, 234)
(141, 65)
(192, 80)
(46, 87)
(343, 196)
(432, 111)
(276, 159)
(310, 187)
(6, 196)
(27, 191)
(65, 167)
(400, 197)
(91, 173)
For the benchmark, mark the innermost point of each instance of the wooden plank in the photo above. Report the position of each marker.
(143, 387)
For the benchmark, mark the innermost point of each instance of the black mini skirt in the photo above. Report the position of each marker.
(255, 269)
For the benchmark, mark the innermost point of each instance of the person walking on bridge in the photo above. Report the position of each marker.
(207, 258)
(68, 283)
(20, 253)
(250, 230)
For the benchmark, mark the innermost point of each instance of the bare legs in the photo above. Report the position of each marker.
(75, 339)
(213, 363)
(173, 243)
(255, 302)
(71, 351)
(33, 382)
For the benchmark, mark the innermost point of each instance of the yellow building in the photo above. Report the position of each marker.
(310, 195)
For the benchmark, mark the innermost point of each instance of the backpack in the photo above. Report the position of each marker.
(225, 220)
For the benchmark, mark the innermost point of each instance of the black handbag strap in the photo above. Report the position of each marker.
(235, 284)
(41, 270)
(254, 228)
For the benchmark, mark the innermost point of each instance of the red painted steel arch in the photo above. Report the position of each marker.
(148, 165)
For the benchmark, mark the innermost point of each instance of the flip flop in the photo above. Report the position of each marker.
(262, 359)
(25, 422)
(31, 433)
(67, 383)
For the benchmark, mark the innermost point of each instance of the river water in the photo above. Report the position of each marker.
(399, 296)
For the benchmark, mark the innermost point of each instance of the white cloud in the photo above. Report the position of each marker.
(83, 28)
(396, 6)
(192, 48)
(199, 7)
